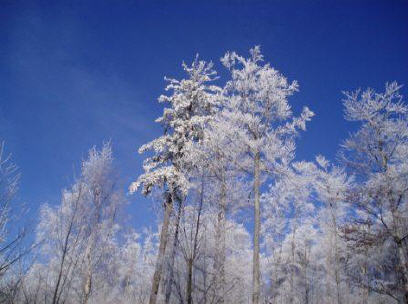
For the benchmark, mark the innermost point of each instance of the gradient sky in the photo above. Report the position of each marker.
(76, 73)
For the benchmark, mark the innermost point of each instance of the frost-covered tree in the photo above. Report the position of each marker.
(132, 268)
(221, 186)
(14, 232)
(287, 207)
(295, 267)
(310, 198)
(102, 201)
(9, 179)
(331, 186)
(76, 236)
(261, 121)
(377, 154)
(192, 102)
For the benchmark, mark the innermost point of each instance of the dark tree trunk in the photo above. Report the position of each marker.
(168, 208)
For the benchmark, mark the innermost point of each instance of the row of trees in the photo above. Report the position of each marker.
(322, 232)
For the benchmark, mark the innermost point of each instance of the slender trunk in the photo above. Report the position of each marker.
(169, 281)
(329, 271)
(257, 227)
(191, 260)
(365, 277)
(307, 289)
(275, 297)
(220, 255)
(57, 292)
(336, 254)
(88, 278)
(87, 286)
(189, 288)
(57, 285)
(205, 272)
(162, 249)
(292, 268)
(87, 290)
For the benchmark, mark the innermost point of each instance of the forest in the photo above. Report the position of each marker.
(240, 218)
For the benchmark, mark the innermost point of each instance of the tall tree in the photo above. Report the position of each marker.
(264, 128)
(102, 201)
(192, 103)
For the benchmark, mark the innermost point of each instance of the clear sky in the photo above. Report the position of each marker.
(75, 73)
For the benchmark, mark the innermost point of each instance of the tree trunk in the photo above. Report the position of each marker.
(55, 298)
(292, 267)
(169, 282)
(189, 287)
(366, 280)
(191, 260)
(220, 255)
(306, 264)
(257, 228)
(57, 292)
(162, 249)
(336, 254)
(88, 278)
(94, 223)
(205, 273)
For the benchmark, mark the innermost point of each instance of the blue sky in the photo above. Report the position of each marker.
(75, 73)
